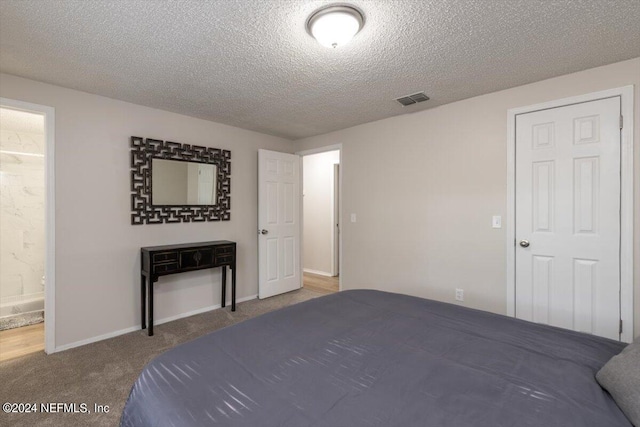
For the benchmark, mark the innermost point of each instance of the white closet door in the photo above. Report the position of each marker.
(568, 217)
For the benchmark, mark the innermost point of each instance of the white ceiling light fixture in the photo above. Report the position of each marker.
(335, 25)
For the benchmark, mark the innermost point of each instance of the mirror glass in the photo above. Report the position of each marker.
(179, 183)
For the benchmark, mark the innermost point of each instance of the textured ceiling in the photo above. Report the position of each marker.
(251, 64)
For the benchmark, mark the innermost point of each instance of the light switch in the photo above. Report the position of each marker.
(353, 217)
(496, 222)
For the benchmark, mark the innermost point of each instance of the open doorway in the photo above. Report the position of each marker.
(22, 222)
(321, 220)
(26, 229)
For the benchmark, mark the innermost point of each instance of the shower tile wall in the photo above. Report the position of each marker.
(22, 244)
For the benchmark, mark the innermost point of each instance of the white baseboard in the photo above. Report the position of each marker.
(95, 339)
(319, 273)
(155, 323)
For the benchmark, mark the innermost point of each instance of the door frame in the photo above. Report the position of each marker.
(50, 215)
(626, 197)
(318, 150)
(335, 215)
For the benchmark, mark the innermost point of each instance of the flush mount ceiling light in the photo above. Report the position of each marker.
(335, 25)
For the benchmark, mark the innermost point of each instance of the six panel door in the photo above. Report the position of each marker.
(278, 223)
(568, 211)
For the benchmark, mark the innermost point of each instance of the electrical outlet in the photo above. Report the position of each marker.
(459, 294)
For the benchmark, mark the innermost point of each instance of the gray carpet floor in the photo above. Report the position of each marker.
(102, 373)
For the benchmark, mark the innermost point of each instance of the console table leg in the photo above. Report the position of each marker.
(150, 293)
(233, 287)
(224, 285)
(143, 297)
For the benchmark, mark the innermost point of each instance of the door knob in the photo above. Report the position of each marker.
(263, 231)
(524, 243)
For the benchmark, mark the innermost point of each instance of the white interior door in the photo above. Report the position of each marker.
(206, 184)
(278, 223)
(568, 217)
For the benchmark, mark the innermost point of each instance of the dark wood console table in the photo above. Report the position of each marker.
(159, 261)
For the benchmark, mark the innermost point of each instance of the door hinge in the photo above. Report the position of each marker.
(621, 122)
(620, 326)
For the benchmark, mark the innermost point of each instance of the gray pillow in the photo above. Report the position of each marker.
(620, 376)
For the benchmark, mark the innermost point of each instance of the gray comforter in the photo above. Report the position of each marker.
(369, 358)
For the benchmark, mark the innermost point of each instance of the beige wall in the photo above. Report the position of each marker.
(318, 211)
(425, 185)
(97, 250)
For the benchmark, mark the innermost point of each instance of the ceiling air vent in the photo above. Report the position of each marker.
(412, 99)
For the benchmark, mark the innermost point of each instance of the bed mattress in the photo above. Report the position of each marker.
(371, 358)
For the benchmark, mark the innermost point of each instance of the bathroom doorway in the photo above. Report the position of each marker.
(23, 229)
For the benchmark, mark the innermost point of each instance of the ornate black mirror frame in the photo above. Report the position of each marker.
(143, 150)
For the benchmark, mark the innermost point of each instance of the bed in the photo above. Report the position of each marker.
(371, 358)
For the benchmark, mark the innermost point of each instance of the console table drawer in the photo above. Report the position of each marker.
(224, 250)
(165, 256)
(196, 258)
(165, 268)
(224, 259)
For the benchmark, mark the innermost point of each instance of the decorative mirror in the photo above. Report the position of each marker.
(173, 182)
